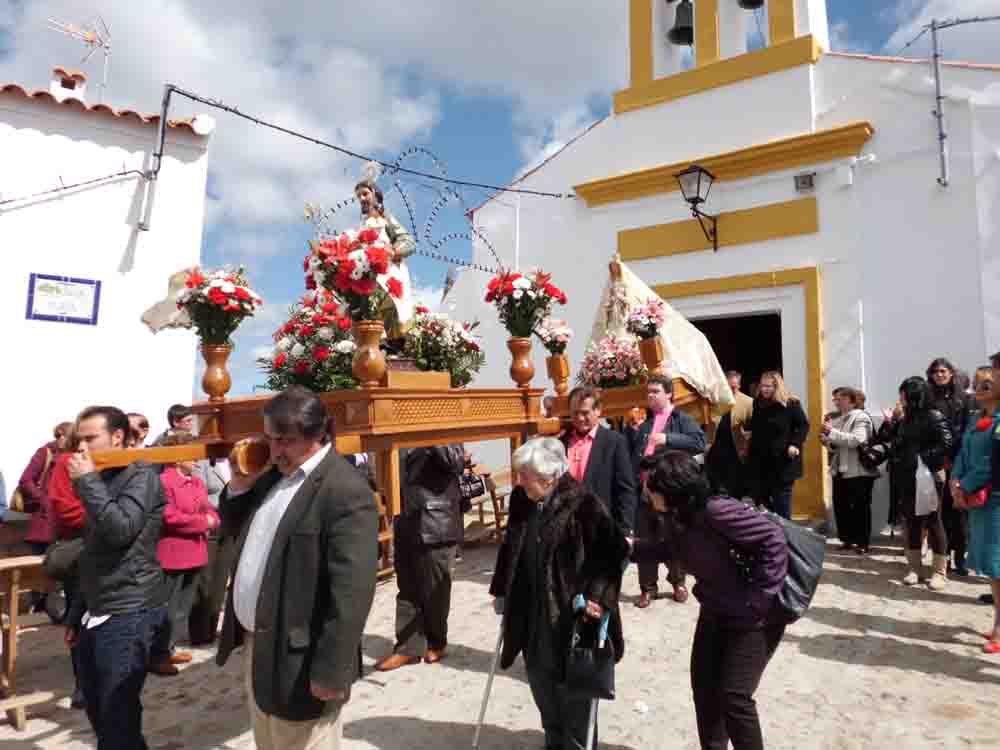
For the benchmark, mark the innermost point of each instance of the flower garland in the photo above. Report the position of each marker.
(217, 302)
(555, 335)
(440, 344)
(349, 266)
(646, 320)
(314, 348)
(523, 301)
(612, 362)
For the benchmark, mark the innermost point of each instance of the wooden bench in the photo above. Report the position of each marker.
(17, 574)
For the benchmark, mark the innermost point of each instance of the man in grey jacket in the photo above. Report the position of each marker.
(123, 594)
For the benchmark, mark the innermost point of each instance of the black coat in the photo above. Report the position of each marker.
(927, 436)
(119, 569)
(318, 586)
(585, 555)
(610, 475)
(958, 408)
(432, 497)
(773, 428)
(682, 432)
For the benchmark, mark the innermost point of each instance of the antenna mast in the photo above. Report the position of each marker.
(96, 35)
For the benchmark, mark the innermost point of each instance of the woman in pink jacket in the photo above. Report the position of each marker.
(182, 551)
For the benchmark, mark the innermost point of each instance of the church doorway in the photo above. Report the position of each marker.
(748, 343)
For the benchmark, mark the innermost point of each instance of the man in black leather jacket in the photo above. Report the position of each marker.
(425, 535)
(123, 596)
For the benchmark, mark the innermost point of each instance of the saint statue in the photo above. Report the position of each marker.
(397, 313)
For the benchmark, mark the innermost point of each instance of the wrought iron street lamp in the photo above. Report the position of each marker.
(696, 183)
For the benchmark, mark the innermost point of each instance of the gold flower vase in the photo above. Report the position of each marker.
(216, 381)
(369, 360)
(557, 366)
(522, 370)
(652, 354)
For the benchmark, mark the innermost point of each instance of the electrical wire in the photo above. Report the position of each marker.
(74, 186)
(390, 167)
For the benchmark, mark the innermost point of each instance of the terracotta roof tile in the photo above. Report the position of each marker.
(101, 109)
(70, 73)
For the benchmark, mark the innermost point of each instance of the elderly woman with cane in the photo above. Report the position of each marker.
(561, 545)
(739, 559)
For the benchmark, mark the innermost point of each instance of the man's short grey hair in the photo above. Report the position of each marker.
(544, 457)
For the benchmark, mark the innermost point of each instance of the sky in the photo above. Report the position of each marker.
(490, 89)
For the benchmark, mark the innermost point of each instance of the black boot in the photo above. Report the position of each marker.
(960, 568)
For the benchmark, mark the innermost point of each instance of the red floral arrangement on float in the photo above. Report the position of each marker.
(314, 348)
(523, 301)
(217, 302)
(349, 266)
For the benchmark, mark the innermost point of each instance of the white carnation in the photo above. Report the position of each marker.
(285, 344)
(228, 287)
(326, 333)
(345, 347)
(298, 350)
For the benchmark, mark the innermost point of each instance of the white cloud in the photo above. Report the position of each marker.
(840, 37)
(971, 43)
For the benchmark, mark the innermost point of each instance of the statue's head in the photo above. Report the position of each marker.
(369, 197)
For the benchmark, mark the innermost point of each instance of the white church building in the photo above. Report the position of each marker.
(842, 258)
(82, 263)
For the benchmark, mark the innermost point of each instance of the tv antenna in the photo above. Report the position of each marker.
(96, 35)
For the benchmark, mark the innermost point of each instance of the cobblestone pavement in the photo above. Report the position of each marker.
(874, 665)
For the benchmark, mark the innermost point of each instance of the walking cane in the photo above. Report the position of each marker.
(489, 680)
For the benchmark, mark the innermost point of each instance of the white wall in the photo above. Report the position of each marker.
(52, 370)
(899, 255)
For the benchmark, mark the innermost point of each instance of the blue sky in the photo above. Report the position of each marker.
(490, 88)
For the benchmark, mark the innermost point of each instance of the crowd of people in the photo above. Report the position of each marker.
(151, 557)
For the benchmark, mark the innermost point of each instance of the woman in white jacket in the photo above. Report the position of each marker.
(842, 433)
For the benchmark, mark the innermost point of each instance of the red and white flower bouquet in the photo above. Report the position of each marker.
(217, 302)
(612, 362)
(350, 266)
(523, 301)
(438, 343)
(314, 348)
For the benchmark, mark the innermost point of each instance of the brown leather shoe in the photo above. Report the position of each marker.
(396, 661)
(163, 668)
(434, 655)
(180, 657)
(680, 594)
(645, 599)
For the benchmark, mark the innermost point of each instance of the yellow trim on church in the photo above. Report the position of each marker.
(780, 21)
(802, 51)
(813, 148)
(640, 43)
(771, 222)
(706, 32)
(809, 500)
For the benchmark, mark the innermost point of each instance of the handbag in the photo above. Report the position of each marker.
(62, 559)
(806, 552)
(590, 669)
(872, 455)
(471, 487)
(927, 498)
(978, 498)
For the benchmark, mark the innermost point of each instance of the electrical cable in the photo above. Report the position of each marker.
(74, 186)
(391, 168)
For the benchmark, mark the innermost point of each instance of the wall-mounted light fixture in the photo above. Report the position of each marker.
(696, 184)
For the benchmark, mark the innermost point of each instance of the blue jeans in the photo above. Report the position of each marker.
(113, 658)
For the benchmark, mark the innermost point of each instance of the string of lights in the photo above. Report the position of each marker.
(74, 186)
(388, 166)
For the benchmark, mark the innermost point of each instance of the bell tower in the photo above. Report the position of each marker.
(715, 31)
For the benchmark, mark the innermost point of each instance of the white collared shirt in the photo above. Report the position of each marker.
(257, 548)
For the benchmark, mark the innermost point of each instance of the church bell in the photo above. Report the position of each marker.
(750, 4)
(683, 31)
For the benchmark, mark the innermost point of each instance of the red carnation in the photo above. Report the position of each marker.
(368, 235)
(363, 286)
(344, 324)
(378, 258)
(395, 287)
(288, 327)
(280, 360)
(321, 354)
(194, 280)
(306, 331)
(330, 308)
(310, 282)
(242, 294)
(305, 264)
(421, 310)
(301, 367)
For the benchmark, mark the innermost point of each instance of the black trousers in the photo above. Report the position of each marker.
(565, 717)
(423, 574)
(183, 585)
(956, 525)
(651, 525)
(852, 509)
(210, 598)
(726, 667)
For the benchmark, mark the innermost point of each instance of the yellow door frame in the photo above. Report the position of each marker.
(810, 500)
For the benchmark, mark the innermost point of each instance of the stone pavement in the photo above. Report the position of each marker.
(874, 665)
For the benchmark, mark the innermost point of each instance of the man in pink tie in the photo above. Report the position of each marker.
(664, 428)
(599, 457)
